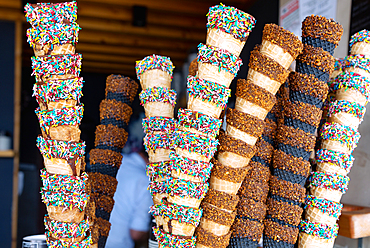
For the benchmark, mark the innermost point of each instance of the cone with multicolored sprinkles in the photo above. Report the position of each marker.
(315, 234)
(360, 43)
(228, 28)
(158, 101)
(357, 63)
(154, 71)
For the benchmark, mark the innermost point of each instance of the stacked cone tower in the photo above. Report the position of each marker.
(243, 156)
(65, 190)
(339, 136)
(105, 159)
(295, 137)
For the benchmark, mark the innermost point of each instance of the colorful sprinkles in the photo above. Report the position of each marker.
(153, 141)
(335, 158)
(154, 62)
(167, 240)
(208, 91)
(344, 134)
(180, 213)
(67, 200)
(44, 67)
(158, 94)
(160, 170)
(201, 122)
(57, 182)
(353, 108)
(357, 61)
(221, 58)
(326, 206)
(184, 188)
(197, 143)
(195, 168)
(62, 243)
(159, 123)
(54, 90)
(231, 20)
(319, 230)
(362, 36)
(63, 230)
(157, 187)
(329, 181)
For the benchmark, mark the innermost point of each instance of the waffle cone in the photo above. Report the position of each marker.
(55, 77)
(328, 194)
(213, 227)
(185, 201)
(94, 245)
(61, 166)
(310, 241)
(345, 119)
(236, 133)
(58, 105)
(335, 146)
(192, 155)
(158, 109)
(159, 155)
(155, 78)
(159, 221)
(220, 39)
(232, 160)
(359, 71)
(177, 174)
(178, 228)
(250, 108)
(335, 74)
(350, 95)
(212, 73)
(263, 81)
(66, 133)
(361, 48)
(224, 186)
(326, 167)
(157, 198)
(205, 107)
(65, 215)
(193, 130)
(276, 53)
(40, 50)
(315, 215)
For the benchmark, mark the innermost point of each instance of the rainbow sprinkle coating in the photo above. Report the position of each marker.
(220, 58)
(197, 143)
(329, 181)
(230, 20)
(346, 80)
(44, 67)
(61, 243)
(195, 168)
(159, 123)
(63, 230)
(46, 13)
(55, 34)
(54, 90)
(57, 182)
(340, 159)
(167, 240)
(154, 62)
(67, 200)
(331, 208)
(153, 141)
(353, 108)
(203, 123)
(157, 187)
(180, 213)
(70, 116)
(208, 91)
(344, 134)
(60, 149)
(184, 188)
(357, 61)
(160, 170)
(362, 36)
(338, 64)
(158, 94)
(319, 230)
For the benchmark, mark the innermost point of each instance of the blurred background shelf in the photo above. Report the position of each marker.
(7, 154)
(354, 222)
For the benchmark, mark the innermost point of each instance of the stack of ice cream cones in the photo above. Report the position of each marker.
(105, 159)
(295, 136)
(65, 192)
(242, 145)
(339, 136)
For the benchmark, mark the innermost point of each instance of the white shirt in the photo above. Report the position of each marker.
(132, 202)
